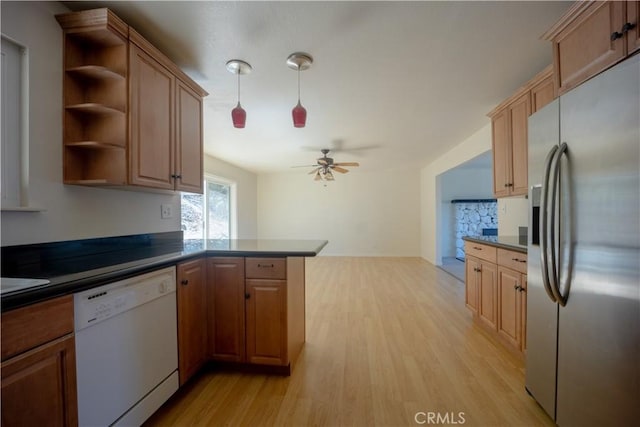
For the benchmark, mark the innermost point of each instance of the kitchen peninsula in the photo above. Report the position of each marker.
(240, 303)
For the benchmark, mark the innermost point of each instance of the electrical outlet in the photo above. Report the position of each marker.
(166, 211)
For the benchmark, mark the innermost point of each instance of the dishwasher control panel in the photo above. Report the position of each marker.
(98, 304)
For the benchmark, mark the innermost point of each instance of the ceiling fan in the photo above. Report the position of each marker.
(325, 166)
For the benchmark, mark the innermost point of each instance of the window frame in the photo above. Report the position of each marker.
(214, 179)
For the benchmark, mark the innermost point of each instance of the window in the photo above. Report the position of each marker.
(210, 215)
(14, 126)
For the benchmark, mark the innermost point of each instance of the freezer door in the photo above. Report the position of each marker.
(599, 328)
(542, 312)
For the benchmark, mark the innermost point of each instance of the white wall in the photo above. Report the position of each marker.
(430, 197)
(513, 212)
(360, 213)
(460, 183)
(246, 193)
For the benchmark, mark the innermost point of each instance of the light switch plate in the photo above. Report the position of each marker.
(166, 211)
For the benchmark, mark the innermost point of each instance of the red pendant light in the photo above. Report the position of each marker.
(238, 114)
(299, 61)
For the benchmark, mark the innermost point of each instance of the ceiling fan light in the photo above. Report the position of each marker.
(239, 116)
(299, 114)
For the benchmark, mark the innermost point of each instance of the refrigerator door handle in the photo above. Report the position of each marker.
(562, 299)
(544, 219)
(551, 230)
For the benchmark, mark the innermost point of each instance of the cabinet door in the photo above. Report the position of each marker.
(188, 140)
(225, 302)
(633, 17)
(266, 322)
(472, 267)
(584, 48)
(192, 317)
(39, 387)
(509, 296)
(519, 112)
(152, 89)
(501, 154)
(542, 94)
(488, 301)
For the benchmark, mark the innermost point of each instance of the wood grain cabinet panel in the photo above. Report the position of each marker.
(226, 309)
(152, 89)
(472, 266)
(266, 322)
(590, 38)
(39, 387)
(192, 317)
(633, 18)
(543, 92)
(509, 319)
(189, 149)
(38, 365)
(487, 291)
(519, 113)
(501, 150)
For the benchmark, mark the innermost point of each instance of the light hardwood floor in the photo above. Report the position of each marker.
(386, 338)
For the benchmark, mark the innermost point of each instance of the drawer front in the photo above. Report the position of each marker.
(266, 268)
(514, 260)
(478, 250)
(28, 327)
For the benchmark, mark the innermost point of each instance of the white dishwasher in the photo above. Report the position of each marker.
(126, 349)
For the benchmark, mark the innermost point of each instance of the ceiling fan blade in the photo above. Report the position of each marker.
(347, 164)
(339, 169)
(314, 171)
(305, 166)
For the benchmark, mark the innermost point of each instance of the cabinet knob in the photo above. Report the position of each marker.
(265, 265)
(518, 260)
(247, 295)
(174, 176)
(616, 35)
(517, 287)
(184, 282)
(477, 248)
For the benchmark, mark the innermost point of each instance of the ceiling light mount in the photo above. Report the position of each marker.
(238, 66)
(299, 61)
(238, 114)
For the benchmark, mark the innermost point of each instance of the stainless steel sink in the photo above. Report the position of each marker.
(11, 284)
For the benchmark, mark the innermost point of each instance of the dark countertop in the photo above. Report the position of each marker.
(75, 266)
(514, 243)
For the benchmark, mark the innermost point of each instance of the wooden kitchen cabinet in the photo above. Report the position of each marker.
(509, 133)
(481, 290)
(512, 297)
(510, 150)
(192, 317)
(226, 309)
(496, 283)
(481, 282)
(266, 316)
(591, 37)
(542, 90)
(256, 310)
(132, 117)
(38, 365)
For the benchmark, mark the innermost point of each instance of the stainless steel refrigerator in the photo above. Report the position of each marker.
(583, 290)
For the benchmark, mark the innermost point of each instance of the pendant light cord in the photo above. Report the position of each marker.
(298, 84)
(238, 86)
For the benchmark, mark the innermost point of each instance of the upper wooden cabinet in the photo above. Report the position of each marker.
(132, 117)
(591, 37)
(509, 133)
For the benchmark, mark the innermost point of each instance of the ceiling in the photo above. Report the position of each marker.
(393, 84)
